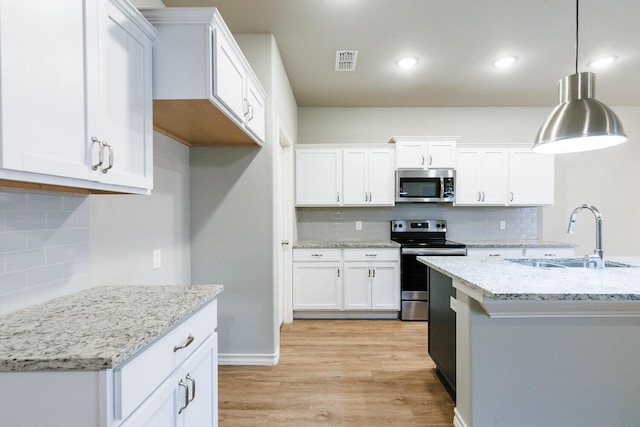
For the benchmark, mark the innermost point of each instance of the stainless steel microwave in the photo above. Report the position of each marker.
(424, 186)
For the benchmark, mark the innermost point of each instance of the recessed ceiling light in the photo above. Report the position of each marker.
(505, 62)
(602, 62)
(407, 62)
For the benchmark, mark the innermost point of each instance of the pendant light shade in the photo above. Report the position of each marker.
(580, 122)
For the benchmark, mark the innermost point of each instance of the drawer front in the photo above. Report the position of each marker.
(549, 252)
(372, 254)
(322, 254)
(138, 377)
(498, 253)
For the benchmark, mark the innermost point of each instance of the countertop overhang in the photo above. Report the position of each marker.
(508, 289)
(98, 328)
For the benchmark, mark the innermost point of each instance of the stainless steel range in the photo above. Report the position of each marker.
(418, 238)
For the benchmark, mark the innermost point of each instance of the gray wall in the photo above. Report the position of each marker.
(233, 220)
(126, 229)
(604, 178)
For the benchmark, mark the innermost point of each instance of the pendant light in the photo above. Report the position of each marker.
(580, 122)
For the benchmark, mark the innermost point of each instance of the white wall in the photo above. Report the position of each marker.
(605, 178)
(126, 229)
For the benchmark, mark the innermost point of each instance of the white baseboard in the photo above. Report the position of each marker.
(457, 419)
(249, 359)
(345, 315)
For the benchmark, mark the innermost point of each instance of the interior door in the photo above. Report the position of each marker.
(285, 202)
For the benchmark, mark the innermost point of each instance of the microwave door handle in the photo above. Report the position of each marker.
(442, 188)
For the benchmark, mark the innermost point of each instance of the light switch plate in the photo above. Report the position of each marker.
(358, 225)
(157, 259)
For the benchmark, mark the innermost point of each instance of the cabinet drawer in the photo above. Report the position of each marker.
(372, 254)
(139, 376)
(322, 254)
(549, 252)
(494, 252)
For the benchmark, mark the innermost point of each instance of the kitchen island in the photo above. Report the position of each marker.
(545, 346)
(111, 356)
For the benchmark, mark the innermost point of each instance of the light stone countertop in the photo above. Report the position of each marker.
(514, 244)
(346, 244)
(97, 328)
(499, 279)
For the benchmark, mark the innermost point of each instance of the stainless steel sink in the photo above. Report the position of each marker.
(564, 263)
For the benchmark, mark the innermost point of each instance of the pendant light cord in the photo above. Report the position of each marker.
(577, 7)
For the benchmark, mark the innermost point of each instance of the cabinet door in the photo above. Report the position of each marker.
(385, 286)
(493, 176)
(125, 112)
(467, 176)
(441, 154)
(255, 114)
(44, 126)
(531, 177)
(318, 177)
(201, 378)
(229, 76)
(381, 177)
(317, 286)
(355, 173)
(410, 154)
(357, 286)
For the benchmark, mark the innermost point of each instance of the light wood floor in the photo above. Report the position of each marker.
(339, 373)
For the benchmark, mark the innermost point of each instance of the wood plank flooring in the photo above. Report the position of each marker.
(339, 373)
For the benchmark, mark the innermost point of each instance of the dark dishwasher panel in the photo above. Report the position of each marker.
(442, 329)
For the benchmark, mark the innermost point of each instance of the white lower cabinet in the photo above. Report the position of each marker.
(528, 252)
(170, 383)
(346, 279)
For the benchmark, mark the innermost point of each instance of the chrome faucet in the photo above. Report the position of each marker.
(598, 253)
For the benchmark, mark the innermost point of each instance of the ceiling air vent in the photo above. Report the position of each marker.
(346, 60)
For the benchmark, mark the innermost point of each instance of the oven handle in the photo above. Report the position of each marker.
(434, 251)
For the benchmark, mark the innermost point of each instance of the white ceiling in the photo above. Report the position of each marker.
(456, 41)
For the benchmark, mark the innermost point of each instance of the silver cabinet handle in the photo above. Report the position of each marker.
(494, 254)
(370, 196)
(338, 271)
(338, 196)
(316, 255)
(193, 387)
(374, 272)
(479, 197)
(105, 170)
(430, 159)
(250, 113)
(186, 344)
(511, 197)
(483, 196)
(370, 254)
(186, 396)
(245, 101)
(100, 153)
(422, 160)
(369, 272)
(550, 255)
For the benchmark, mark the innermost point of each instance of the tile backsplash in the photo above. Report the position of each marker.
(44, 246)
(463, 223)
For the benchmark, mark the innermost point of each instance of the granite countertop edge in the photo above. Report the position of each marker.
(345, 244)
(522, 243)
(96, 329)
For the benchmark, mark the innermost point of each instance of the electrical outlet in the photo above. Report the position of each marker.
(503, 225)
(157, 259)
(358, 225)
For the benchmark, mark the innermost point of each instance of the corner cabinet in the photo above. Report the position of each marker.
(205, 92)
(76, 104)
(345, 176)
(425, 152)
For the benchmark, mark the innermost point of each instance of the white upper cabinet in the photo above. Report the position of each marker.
(76, 96)
(318, 177)
(481, 175)
(205, 92)
(504, 175)
(368, 176)
(531, 177)
(425, 152)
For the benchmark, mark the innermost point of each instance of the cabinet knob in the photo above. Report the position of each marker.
(284, 242)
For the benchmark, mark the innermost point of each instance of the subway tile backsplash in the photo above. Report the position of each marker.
(463, 223)
(44, 246)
